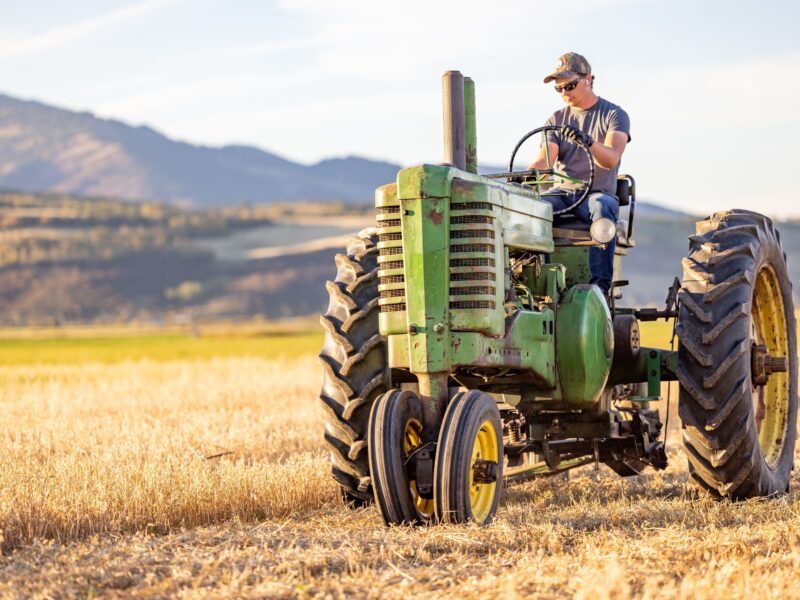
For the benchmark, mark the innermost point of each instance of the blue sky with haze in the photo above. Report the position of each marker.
(711, 87)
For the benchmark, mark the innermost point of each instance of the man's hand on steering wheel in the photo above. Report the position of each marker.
(577, 136)
(585, 184)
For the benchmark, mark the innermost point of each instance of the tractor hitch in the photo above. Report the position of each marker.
(653, 314)
(669, 312)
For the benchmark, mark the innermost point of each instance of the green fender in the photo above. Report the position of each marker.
(584, 344)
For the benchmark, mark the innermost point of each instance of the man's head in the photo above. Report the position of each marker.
(573, 77)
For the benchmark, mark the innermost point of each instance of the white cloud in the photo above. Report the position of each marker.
(65, 34)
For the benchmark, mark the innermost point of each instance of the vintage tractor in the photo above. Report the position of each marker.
(464, 348)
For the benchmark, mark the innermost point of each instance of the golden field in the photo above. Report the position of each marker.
(130, 473)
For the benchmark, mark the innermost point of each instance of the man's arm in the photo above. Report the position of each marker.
(541, 160)
(609, 153)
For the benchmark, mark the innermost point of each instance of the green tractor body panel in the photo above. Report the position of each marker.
(529, 344)
(444, 241)
(425, 254)
(584, 345)
(445, 237)
(576, 263)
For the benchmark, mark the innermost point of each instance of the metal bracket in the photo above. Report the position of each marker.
(424, 471)
(653, 378)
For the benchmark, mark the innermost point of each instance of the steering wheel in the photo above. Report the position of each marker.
(587, 184)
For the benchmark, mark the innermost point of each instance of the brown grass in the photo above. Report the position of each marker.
(106, 487)
(120, 448)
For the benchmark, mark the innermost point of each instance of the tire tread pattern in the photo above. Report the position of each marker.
(463, 417)
(714, 323)
(354, 364)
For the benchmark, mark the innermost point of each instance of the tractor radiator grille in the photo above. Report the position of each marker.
(470, 206)
(472, 276)
(391, 280)
(399, 307)
(393, 293)
(472, 233)
(469, 304)
(472, 291)
(471, 219)
(487, 248)
(473, 279)
(395, 264)
(472, 262)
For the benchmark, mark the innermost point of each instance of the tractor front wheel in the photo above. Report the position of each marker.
(395, 430)
(468, 474)
(737, 358)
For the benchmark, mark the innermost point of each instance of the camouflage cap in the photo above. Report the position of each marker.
(570, 64)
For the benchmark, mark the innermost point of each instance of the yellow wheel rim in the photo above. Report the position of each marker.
(411, 440)
(481, 495)
(771, 401)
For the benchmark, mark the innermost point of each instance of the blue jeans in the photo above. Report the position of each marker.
(596, 205)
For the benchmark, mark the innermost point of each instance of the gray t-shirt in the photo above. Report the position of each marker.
(597, 121)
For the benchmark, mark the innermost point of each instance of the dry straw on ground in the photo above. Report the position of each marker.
(208, 478)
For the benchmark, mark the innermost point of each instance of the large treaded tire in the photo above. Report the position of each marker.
(354, 364)
(715, 330)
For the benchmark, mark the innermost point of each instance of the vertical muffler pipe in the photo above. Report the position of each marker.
(470, 127)
(453, 105)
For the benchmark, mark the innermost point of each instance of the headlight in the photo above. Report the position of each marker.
(603, 230)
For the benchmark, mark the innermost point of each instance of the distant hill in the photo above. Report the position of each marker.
(66, 259)
(48, 149)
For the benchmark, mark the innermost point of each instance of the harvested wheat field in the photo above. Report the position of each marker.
(208, 478)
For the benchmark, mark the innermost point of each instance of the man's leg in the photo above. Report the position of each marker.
(560, 201)
(601, 260)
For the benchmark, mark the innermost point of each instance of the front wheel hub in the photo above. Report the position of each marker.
(484, 471)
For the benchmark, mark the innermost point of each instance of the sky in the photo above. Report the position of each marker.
(711, 87)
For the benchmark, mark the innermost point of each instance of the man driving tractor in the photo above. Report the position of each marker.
(604, 128)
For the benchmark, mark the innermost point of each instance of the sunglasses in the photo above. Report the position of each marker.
(568, 87)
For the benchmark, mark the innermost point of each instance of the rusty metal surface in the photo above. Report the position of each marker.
(453, 107)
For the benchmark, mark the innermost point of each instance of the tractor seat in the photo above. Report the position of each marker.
(571, 231)
(568, 230)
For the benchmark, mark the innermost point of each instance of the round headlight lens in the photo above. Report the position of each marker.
(603, 230)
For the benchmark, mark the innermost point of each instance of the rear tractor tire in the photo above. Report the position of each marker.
(737, 358)
(354, 362)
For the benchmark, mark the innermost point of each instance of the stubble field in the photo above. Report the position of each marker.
(132, 473)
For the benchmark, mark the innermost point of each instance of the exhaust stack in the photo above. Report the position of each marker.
(453, 105)
(460, 132)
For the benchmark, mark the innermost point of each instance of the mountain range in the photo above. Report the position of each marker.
(48, 149)
(44, 149)
(77, 253)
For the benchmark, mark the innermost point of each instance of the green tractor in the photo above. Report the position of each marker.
(464, 349)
